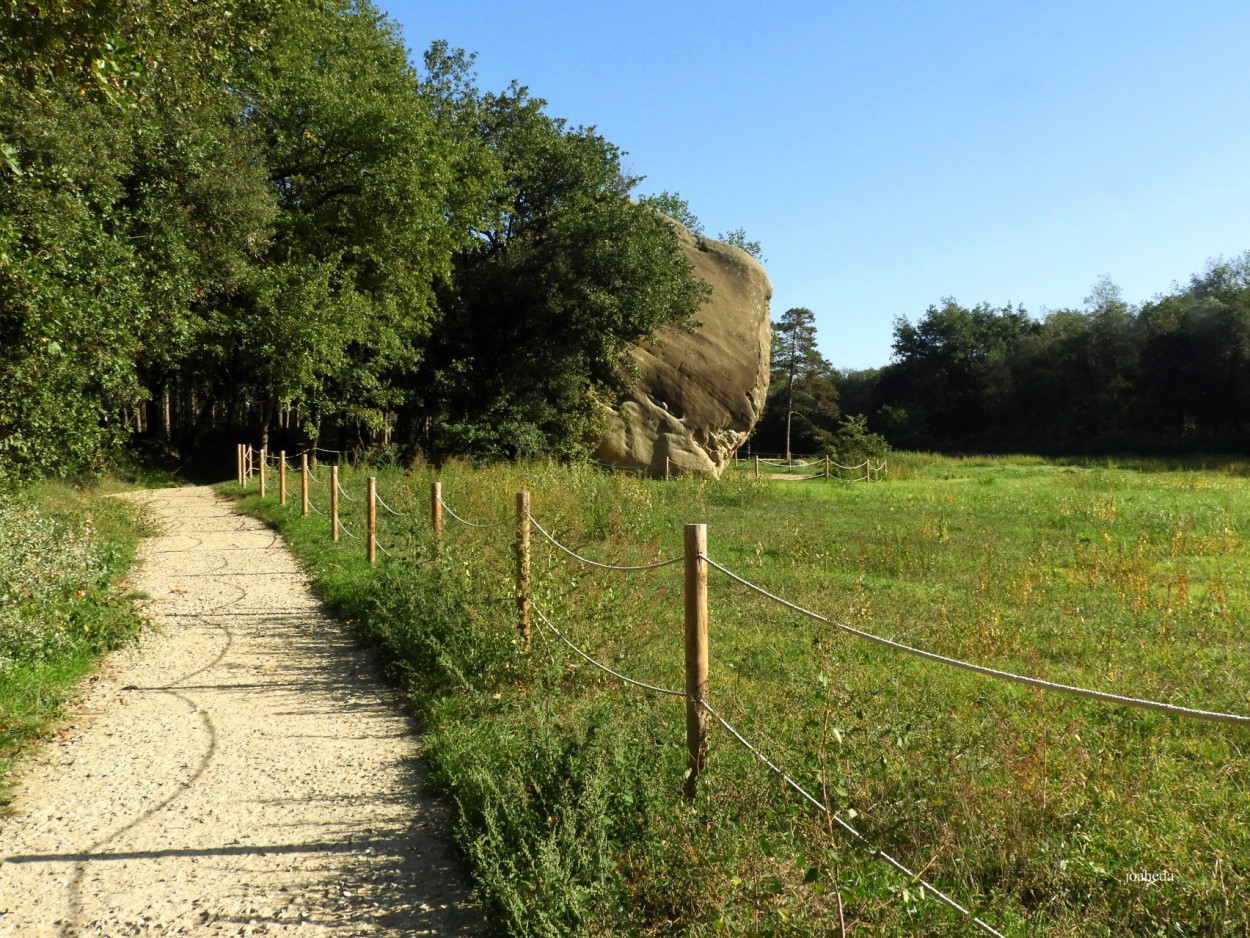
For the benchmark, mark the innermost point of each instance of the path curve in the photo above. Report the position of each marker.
(243, 773)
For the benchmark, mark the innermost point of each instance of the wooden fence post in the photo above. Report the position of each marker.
(667, 469)
(281, 477)
(334, 503)
(696, 652)
(436, 510)
(264, 455)
(826, 465)
(523, 564)
(757, 467)
(303, 485)
(371, 521)
(238, 463)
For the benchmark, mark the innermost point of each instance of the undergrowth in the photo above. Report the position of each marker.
(63, 555)
(1045, 815)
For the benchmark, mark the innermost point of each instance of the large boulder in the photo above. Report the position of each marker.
(699, 391)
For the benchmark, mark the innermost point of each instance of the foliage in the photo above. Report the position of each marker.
(853, 443)
(738, 238)
(1120, 576)
(1172, 374)
(952, 367)
(675, 207)
(79, 42)
(249, 215)
(801, 409)
(363, 177)
(541, 311)
(63, 554)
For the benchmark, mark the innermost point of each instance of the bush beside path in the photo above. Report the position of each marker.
(244, 772)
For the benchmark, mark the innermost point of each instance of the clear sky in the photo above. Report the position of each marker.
(888, 154)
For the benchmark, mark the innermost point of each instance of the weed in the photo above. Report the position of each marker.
(1035, 810)
(63, 555)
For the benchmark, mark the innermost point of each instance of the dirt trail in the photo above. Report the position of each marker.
(244, 773)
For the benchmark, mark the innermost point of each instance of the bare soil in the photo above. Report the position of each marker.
(243, 772)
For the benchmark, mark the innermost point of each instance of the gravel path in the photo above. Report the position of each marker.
(244, 773)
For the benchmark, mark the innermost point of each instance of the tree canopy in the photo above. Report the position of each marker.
(234, 217)
(1169, 374)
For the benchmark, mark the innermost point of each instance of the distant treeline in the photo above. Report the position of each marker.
(1172, 374)
(233, 217)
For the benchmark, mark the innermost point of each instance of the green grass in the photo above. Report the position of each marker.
(1034, 809)
(63, 555)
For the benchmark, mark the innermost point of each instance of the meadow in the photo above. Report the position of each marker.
(1044, 814)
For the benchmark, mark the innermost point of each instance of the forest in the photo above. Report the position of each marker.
(1167, 376)
(236, 217)
(246, 219)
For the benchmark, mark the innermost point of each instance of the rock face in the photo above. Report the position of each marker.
(699, 393)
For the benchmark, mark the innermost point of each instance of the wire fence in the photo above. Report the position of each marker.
(846, 827)
(594, 563)
(990, 672)
(386, 507)
(805, 468)
(465, 521)
(603, 667)
(697, 562)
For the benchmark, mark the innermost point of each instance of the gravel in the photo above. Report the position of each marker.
(243, 772)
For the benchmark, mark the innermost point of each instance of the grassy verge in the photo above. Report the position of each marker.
(63, 554)
(1047, 815)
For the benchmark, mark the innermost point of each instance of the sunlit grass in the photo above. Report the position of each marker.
(1123, 576)
(64, 552)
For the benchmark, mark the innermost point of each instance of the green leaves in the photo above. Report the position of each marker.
(265, 205)
(541, 311)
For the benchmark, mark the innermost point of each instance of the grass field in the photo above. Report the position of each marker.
(1046, 815)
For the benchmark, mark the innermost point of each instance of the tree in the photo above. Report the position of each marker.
(375, 189)
(802, 385)
(541, 310)
(116, 130)
(951, 374)
(738, 238)
(675, 207)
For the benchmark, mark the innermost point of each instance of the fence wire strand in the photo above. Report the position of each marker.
(595, 563)
(343, 491)
(471, 524)
(603, 667)
(992, 672)
(815, 802)
(847, 828)
(378, 498)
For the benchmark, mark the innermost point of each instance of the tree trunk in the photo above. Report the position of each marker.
(789, 417)
(166, 417)
(266, 415)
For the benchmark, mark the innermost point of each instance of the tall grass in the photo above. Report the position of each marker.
(63, 555)
(1043, 813)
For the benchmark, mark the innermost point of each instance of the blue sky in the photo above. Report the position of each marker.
(888, 154)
